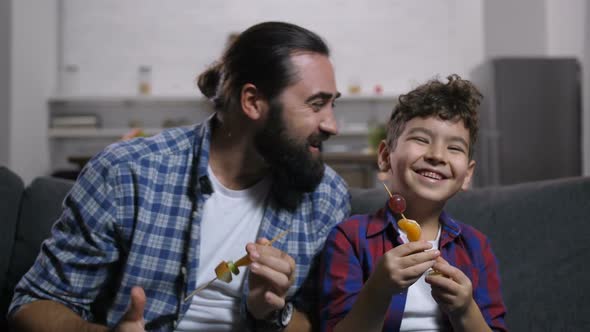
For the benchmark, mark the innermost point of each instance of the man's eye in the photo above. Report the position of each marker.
(317, 106)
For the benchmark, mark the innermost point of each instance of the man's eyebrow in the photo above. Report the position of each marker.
(323, 96)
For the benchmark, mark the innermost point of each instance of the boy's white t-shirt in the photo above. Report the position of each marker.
(231, 219)
(421, 312)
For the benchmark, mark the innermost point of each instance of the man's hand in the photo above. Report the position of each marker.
(452, 290)
(401, 266)
(133, 319)
(272, 272)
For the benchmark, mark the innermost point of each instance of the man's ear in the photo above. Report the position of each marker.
(383, 156)
(253, 104)
(467, 181)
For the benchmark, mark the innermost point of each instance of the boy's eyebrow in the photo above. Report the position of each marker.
(420, 129)
(460, 140)
(323, 96)
(428, 132)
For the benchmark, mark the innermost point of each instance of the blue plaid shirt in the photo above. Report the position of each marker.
(133, 218)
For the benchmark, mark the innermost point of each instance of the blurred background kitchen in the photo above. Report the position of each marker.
(77, 75)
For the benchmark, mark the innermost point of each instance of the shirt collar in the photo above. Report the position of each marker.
(384, 218)
(201, 152)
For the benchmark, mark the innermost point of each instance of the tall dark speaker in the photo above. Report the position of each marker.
(533, 122)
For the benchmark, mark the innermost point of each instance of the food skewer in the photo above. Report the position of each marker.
(398, 205)
(225, 269)
(413, 230)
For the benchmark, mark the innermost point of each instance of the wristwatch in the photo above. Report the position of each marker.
(278, 321)
(286, 314)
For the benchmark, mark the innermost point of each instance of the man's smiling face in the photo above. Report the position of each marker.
(299, 120)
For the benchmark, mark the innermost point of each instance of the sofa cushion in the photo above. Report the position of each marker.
(11, 190)
(540, 234)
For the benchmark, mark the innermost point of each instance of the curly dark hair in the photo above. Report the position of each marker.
(458, 99)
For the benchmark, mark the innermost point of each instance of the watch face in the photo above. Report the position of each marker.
(286, 314)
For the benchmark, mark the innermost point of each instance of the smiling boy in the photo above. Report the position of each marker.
(372, 277)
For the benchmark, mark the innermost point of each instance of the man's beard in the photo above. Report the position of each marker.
(295, 171)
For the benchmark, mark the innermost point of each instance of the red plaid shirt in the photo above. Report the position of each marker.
(355, 246)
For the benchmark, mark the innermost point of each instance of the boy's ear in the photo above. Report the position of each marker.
(383, 156)
(253, 104)
(467, 181)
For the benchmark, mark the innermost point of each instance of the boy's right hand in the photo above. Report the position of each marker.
(401, 266)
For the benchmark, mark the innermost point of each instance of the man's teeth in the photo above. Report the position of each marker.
(432, 175)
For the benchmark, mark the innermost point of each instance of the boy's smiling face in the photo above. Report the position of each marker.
(430, 160)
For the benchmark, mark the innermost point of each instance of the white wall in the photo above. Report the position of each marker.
(5, 82)
(565, 27)
(394, 43)
(33, 77)
(515, 28)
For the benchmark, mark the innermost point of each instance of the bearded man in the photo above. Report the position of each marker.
(149, 219)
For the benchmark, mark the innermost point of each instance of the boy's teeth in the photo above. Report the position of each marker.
(431, 175)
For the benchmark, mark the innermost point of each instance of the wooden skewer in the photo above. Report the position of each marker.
(243, 261)
(389, 192)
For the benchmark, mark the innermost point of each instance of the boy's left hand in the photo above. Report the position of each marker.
(452, 290)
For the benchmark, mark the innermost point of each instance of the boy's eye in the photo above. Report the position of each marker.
(419, 139)
(456, 148)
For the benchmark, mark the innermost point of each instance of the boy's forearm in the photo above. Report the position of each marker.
(368, 312)
(49, 316)
(470, 320)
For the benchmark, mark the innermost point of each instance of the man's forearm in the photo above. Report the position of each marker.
(300, 322)
(50, 316)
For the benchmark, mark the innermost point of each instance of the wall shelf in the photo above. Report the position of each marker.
(115, 133)
(116, 115)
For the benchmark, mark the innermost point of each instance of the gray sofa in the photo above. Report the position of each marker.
(540, 233)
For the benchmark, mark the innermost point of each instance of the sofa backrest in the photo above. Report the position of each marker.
(540, 233)
(40, 206)
(11, 190)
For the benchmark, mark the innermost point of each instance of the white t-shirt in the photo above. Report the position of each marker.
(421, 312)
(231, 219)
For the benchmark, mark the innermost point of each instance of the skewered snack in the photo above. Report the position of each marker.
(224, 270)
(397, 204)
